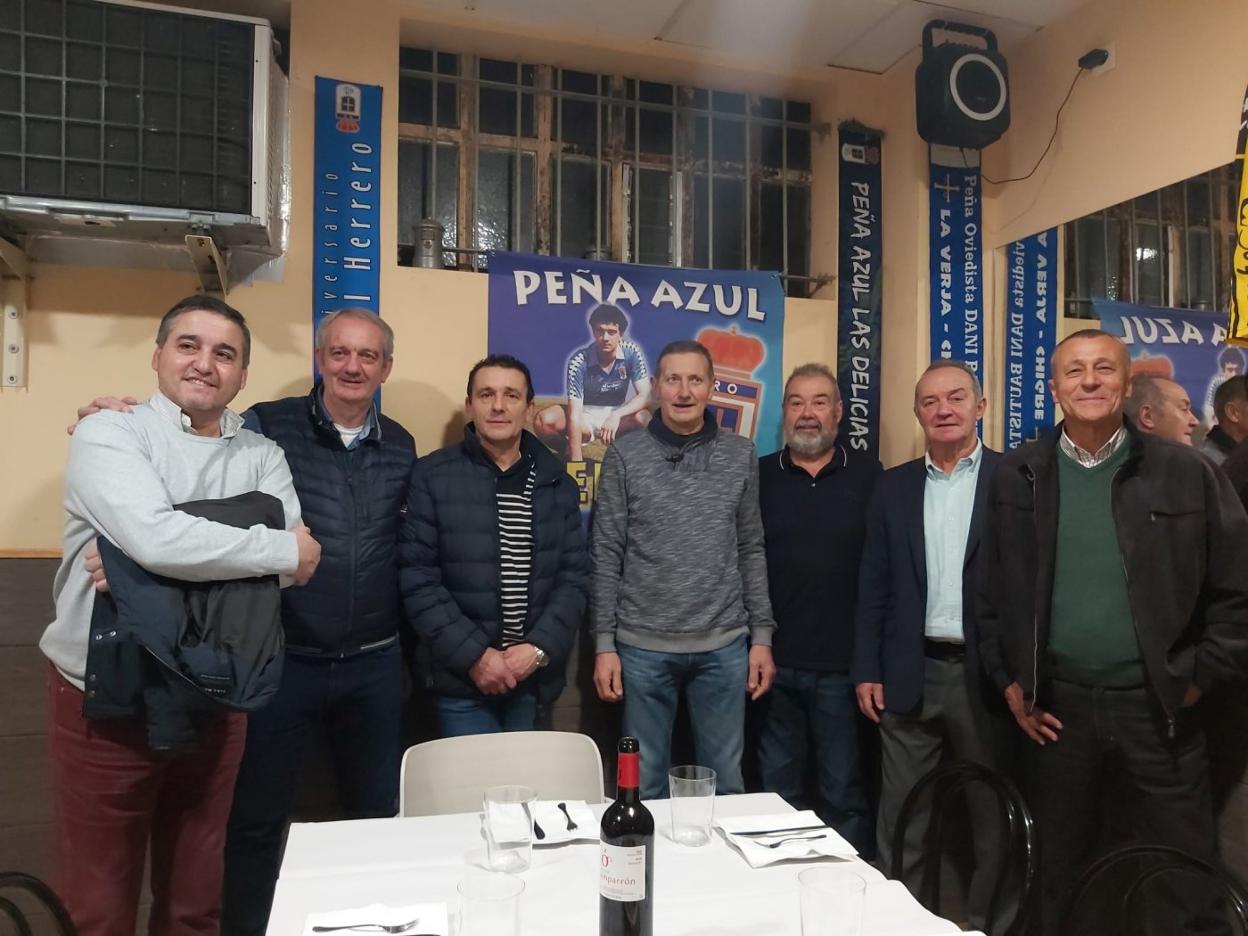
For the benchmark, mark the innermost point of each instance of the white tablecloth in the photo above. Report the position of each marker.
(707, 891)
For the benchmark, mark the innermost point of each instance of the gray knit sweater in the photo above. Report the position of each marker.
(677, 545)
(125, 473)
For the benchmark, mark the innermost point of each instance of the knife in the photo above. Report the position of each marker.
(766, 832)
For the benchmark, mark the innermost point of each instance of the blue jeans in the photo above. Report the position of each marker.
(358, 700)
(714, 686)
(807, 709)
(514, 712)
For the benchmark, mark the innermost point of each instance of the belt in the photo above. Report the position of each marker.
(944, 650)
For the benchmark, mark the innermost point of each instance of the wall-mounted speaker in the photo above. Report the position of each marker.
(962, 92)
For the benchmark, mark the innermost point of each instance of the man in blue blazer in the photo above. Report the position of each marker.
(916, 668)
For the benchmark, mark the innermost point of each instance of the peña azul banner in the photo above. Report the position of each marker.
(860, 293)
(591, 332)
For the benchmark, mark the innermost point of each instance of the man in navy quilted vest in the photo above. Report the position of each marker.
(343, 673)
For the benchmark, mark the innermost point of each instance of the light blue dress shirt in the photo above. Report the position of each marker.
(948, 501)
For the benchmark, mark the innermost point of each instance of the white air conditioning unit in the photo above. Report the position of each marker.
(133, 123)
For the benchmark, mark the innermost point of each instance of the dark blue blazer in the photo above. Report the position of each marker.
(892, 586)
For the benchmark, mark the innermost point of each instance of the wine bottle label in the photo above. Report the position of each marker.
(622, 872)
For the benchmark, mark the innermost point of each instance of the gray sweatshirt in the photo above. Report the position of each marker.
(677, 546)
(125, 473)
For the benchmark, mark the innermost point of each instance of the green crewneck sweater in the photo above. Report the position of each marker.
(1092, 635)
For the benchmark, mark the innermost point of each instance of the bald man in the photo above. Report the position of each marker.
(1161, 407)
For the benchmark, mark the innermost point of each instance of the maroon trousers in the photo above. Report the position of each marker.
(114, 796)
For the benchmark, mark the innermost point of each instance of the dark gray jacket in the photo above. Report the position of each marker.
(176, 652)
(450, 568)
(1182, 534)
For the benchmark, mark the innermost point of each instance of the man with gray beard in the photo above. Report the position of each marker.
(814, 495)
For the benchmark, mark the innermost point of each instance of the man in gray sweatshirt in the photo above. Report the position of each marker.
(679, 598)
(126, 472)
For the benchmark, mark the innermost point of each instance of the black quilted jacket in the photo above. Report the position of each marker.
(450, 565)
(353, 502)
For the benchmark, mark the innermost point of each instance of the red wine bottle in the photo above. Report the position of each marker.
(626, 862)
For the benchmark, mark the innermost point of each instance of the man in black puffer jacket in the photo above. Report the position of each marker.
(343, 667)
(494, 565)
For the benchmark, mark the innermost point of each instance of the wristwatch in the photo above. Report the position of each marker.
(542, 658)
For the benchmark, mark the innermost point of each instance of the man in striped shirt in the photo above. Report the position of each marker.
(493, 562)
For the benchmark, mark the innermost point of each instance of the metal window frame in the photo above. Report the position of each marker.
(623, 169)
(1173, 241)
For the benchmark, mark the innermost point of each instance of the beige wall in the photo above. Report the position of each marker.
(1168, 110)
(90, 330)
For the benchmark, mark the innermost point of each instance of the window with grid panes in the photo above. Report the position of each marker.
(515, 156)
(1171, 247)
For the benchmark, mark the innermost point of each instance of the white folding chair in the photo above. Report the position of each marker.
(450, 775)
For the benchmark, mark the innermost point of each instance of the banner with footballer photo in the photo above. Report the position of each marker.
(591, 333)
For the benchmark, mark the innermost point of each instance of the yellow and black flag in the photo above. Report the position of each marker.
(1237, 315)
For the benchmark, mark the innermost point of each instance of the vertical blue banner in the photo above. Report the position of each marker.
(956, 313)
(346, 229)
(860, 288)
(591, 332)
(1030, 336)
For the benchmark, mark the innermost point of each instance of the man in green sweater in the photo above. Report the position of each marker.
(1113, 593)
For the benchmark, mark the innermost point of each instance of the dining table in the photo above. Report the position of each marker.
(707, 890)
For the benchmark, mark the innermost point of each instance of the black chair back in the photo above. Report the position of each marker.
(1155, 861)
(943, 785)
(16, 880)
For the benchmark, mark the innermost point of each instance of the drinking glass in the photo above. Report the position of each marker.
(509, 827)
(692, 792)
(831, 901)
(489, 904)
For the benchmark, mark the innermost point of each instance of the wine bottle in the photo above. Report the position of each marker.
(626, 862)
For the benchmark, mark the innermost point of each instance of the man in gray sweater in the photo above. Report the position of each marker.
(679, 598)
(126, 472)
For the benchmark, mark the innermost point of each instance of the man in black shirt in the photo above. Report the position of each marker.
(814, 501)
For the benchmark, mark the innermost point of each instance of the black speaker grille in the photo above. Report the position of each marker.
(101, 102)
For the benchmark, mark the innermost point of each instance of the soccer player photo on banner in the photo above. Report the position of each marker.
(591, 333)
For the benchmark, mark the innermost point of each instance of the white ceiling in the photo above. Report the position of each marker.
(869, 35)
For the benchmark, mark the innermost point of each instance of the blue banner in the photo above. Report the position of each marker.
(591, 333)
(1030, 336)
(1182, 345)
(956, 313)
(346, 230)
(860, 288)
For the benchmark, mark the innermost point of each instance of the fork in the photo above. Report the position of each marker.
(572, 826)
(371, 928)
(792, 838)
